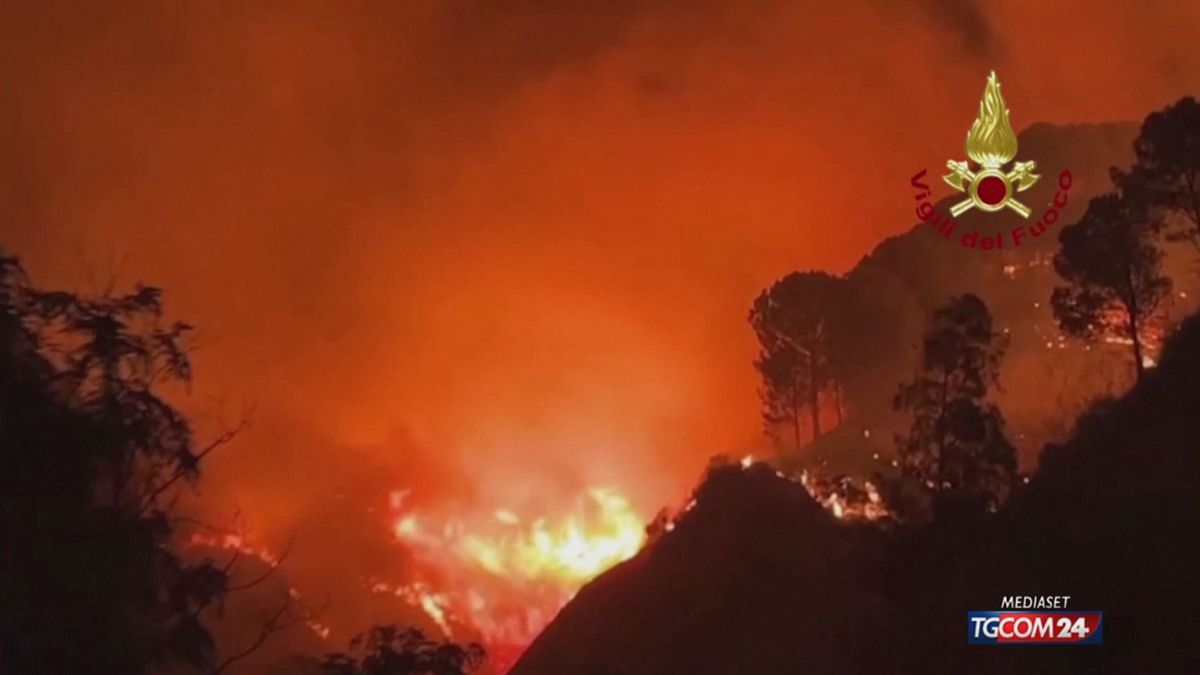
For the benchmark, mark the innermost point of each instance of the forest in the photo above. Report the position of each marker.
(1039, 437)
(841, 554)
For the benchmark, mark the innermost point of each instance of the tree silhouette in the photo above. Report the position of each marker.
(388, 650)
(1166, 172)
(1112, 264)
(956, 445)
(89, 456)
(791, 322)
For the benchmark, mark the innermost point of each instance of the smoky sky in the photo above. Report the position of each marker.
(507, 248)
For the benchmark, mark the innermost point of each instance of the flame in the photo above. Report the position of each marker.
(496, 576)
(420, 594)
(502, 575)
(869, 506)
(991, 141)
(499, 576)
(602, 532)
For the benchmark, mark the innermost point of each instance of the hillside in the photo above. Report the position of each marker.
(758, 578)
(900, 282)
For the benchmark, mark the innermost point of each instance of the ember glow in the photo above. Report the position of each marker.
(844, 499)
(481, 252)
(503, 575)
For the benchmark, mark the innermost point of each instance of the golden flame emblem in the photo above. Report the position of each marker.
(991, 144)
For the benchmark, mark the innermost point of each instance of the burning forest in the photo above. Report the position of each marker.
(506, 576)
(568, 339)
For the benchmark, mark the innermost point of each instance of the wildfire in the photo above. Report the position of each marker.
(504, 575)
(843, 498)
(846, 500)
(499, 576)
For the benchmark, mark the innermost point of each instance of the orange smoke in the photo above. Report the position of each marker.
(505, 254)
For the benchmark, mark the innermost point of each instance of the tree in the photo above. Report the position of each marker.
(90, 455)
(1166, 172)
(791, 321)
(388, 650)
(956, 445)
(1112, 264)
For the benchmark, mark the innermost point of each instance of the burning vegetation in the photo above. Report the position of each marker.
(89, 445)
(502, 575)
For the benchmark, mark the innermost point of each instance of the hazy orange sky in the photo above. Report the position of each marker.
(521, 236)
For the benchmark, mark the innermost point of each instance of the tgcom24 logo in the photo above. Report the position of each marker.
(1035, 620)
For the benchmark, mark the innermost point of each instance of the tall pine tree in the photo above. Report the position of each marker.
(956, 445)
(1112, 264)
(791, 322)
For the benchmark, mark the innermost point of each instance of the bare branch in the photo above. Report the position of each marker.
(200, 524)
(266, 575)
(237, 553)
(281, 620)
(180, 472)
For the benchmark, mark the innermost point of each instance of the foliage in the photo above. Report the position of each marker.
(956, 445)
(1112, 264)
(388, 650)
(89, 451)
(1166, 172)
(791, 322)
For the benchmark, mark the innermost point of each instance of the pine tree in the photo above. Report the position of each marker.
(791, 322)
(1113, 267)
(956, 445)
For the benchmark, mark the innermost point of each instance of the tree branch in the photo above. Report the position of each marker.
(276, 623)
(181, 471)
(266, 575)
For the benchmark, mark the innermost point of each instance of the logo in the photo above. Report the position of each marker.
(991, 144)
(1033, 627)
(988, 186)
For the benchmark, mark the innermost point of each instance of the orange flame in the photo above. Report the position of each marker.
(505, 576)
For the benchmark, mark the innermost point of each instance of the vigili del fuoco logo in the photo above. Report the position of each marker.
(987, 185)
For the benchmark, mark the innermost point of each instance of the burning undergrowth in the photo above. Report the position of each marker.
(496, 575)
(502, 574)
(493, 574)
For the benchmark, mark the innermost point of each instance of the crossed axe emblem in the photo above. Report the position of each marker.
(997, 186)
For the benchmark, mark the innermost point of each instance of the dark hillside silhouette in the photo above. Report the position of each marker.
(758, 578)
(1114, 513)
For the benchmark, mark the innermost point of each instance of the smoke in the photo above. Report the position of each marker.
(501, 253)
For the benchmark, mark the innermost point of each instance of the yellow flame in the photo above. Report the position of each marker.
(576, 549)
(873, 508)
(991, 141)
(503, 575)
